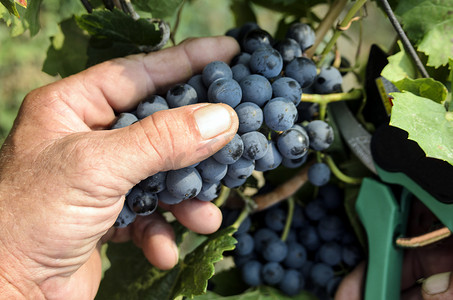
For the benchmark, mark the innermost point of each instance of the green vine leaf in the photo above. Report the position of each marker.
(399, 67)
(424, 87)
(261, 293)
(116, 26)
(132, 277)
(427, 123)
(158, 9)
(11, 7)
(429, 24)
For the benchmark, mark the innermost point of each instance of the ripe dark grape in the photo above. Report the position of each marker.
(275, 219)
(154, 183)
(264, 236)
(216, 70)
(240, 71)
(296, 257)
(196, 82)
(289, 49)
(330, 227)
(271, 160)
(241, 169)
(267, 62)
(292, 282)
(256, 89)
(126, 217)
(211, 170)
(328, 81)
(330, 253)
(255, 145)
(209, 191)
(303, 70)
(242, 58)
(231, 152)
(245, 244)
(272, 273)
(320, 134)
(288, 88)
(168, 198)
(280, 114)
(150, 105)
(251, 273)
(225, 90)
(141, 202)
(123, 120)
(275, 251)
(250, 117)
(293, 143)
(319, 174)
(321, 273)
(315, 211)
(303, 34)
(184, 183)
(181, 95)
(255, 39)
(233, 182)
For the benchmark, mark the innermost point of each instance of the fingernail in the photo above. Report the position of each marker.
(437, 284)
(212, 120)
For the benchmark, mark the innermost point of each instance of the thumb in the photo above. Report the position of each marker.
(167, 140)
(438, 287)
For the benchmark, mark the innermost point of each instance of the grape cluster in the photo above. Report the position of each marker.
(320, 247)
(264, 85)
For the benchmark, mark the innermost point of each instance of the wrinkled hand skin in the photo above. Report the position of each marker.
(63, 178)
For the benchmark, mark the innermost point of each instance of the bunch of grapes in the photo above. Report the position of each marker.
(264, 84)
(314, 254)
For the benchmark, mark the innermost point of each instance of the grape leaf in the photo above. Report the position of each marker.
(32, 16)
(424, 87)
(430, 25)
(67, 52)
(131, 276)
(116, 26)
(158, 9)
(399, 67)
(242, 12)
(11, 6)
(261, 293)
(427, 123)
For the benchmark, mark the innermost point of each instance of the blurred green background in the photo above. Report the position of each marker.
(22, 57)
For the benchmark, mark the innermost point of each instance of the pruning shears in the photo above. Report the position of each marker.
(402, 173)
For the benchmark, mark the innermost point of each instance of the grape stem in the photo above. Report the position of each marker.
(354, 94)
(289, 219)
(339, 174)
(346, 21)
(284, 190)
(223, 196)
(332, 14)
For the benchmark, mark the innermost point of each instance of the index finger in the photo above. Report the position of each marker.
(119, 84)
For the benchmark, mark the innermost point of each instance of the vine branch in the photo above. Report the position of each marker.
(404, 39)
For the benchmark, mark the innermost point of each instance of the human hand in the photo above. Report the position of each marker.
(63, 178)
(426, 272)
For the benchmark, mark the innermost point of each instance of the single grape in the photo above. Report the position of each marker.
(271, 160)
(225, 90)
(275, 218)
(351, 255)
(328, 81)
(309, 238)
(288, 88)
(315, 210)
(331, 228)
(303, 34)
(280, 114)
(321, 273)
(233, 182)
(272, 273)
(275, 250)
(320, 134)
(250, 117)
(241, 260)
(246, 28)
(255, 145)
(184, 183)
(292, 282)
(240, 71)
(126, 217)
(296, 257)
(154, 183)
(197, 83)
(319, 174)
(303, 70)
(123, 120)
(293, 143)
(231, 152)
(255, 39)
(251, 273)
(241, 169)
(262, 237)
(168, 198)
(330, 253)
(150, 105)
(256, 89)
(209, 191)
(289, 49)
(242, 58)
(244, 245)
(181, 95)
(141, 202)
(294, 163)
(266, 61)
(216, 70)
(211, 170)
